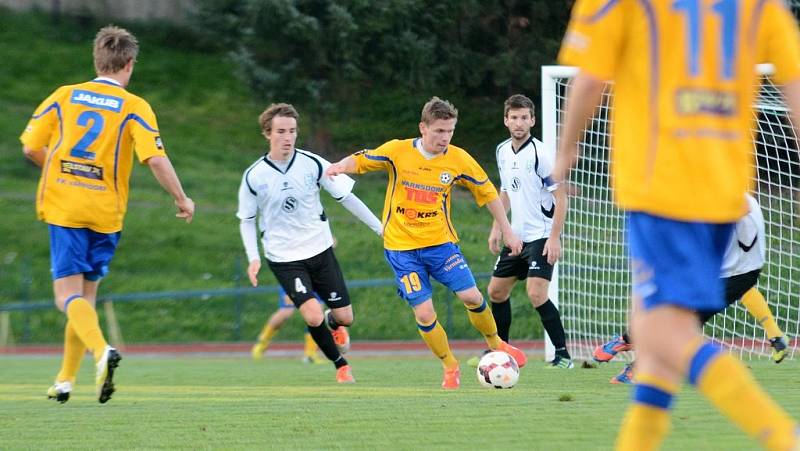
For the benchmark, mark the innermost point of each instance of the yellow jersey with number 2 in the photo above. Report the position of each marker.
(90, 131)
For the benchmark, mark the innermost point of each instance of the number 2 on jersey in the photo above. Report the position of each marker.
(81, 149)
(728, 11)
(411, 282)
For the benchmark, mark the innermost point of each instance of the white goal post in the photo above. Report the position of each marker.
(592, 285)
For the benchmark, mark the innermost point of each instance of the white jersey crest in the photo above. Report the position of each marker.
(747, 249)
(291, 220)
(522, 176)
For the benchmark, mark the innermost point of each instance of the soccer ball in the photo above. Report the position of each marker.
(498, 369)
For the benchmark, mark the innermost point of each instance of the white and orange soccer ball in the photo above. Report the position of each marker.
(498, 370)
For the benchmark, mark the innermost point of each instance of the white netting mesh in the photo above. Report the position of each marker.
(593, 276)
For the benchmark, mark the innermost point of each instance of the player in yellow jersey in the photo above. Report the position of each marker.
(682, 160)
(419, 237)
(285, 311)
(84, 137)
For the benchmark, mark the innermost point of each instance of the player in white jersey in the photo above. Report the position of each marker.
(537, 217)
(281, 190)
(741, 265)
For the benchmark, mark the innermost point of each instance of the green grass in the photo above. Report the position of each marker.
(234, 403)
(208, 122)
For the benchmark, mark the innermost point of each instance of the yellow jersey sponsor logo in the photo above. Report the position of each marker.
(705, 101)
(88, 171)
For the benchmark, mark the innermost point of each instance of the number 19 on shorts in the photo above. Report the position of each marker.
(411, 282)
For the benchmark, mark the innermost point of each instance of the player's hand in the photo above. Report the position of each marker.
(495, 238)
(252, 271)
(334, 169)
(552, 249)
(513, 243)
(185, 209)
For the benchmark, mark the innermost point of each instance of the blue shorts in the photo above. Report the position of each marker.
(676, 262)
(81, 251)
(282, 299)
(414, 268)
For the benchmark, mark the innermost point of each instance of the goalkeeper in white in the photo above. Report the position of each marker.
(741, 266)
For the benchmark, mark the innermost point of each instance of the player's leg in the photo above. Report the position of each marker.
(539, 272)
(499, 291)
(669, 341)
(755, 303)
(329, 285)
(507, 270)
(74, 351)
(414, 286)
(296, 281)
(435, 337)
(80, 255)
(285, 311)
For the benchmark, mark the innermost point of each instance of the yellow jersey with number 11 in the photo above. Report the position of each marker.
(90, 131)
(685, 81)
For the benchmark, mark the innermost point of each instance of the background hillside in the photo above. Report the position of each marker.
(208, 122)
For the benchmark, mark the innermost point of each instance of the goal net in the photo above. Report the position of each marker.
(593, 278)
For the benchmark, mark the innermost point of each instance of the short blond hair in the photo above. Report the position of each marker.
(436, 108)
(114, 47)
(276, 109)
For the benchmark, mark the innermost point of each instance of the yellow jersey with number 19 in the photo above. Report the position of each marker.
(90, 131)
(685, 81)
(416, 210)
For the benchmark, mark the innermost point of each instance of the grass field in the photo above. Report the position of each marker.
(281, 403)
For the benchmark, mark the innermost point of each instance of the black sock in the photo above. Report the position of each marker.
(502, 317)
(626, 337)
(322, 336)
(551, 321)
(331, 320)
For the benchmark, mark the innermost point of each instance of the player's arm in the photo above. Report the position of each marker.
(365, 160)
(346, 165)
(593, 43)
(249, 234)
(791, 92)
(355, 206)
(247, 213)
(583, 97)
(496, 235)
(37, 156)
(498, 211)
(165, 174)
(552, 247)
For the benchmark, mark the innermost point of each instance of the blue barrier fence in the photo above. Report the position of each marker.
(237, 293)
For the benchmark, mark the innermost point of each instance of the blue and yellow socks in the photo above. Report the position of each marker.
(647, 420)
(481, 317)
(84, 322)
(755, 303)
(74, 350)
(436, 338)
(729, 386)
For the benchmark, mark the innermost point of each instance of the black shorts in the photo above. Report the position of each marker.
(319, 274)
(736, 286)
(529, 263)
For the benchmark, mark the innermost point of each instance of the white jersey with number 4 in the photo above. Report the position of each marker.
(747, 249)
(522, 177)
(291, 220)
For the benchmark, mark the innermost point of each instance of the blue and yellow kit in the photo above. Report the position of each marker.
(685, 81)
(416, 211)
(90, 132)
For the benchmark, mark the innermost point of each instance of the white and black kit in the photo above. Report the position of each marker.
(295, 232)
(523, 175)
